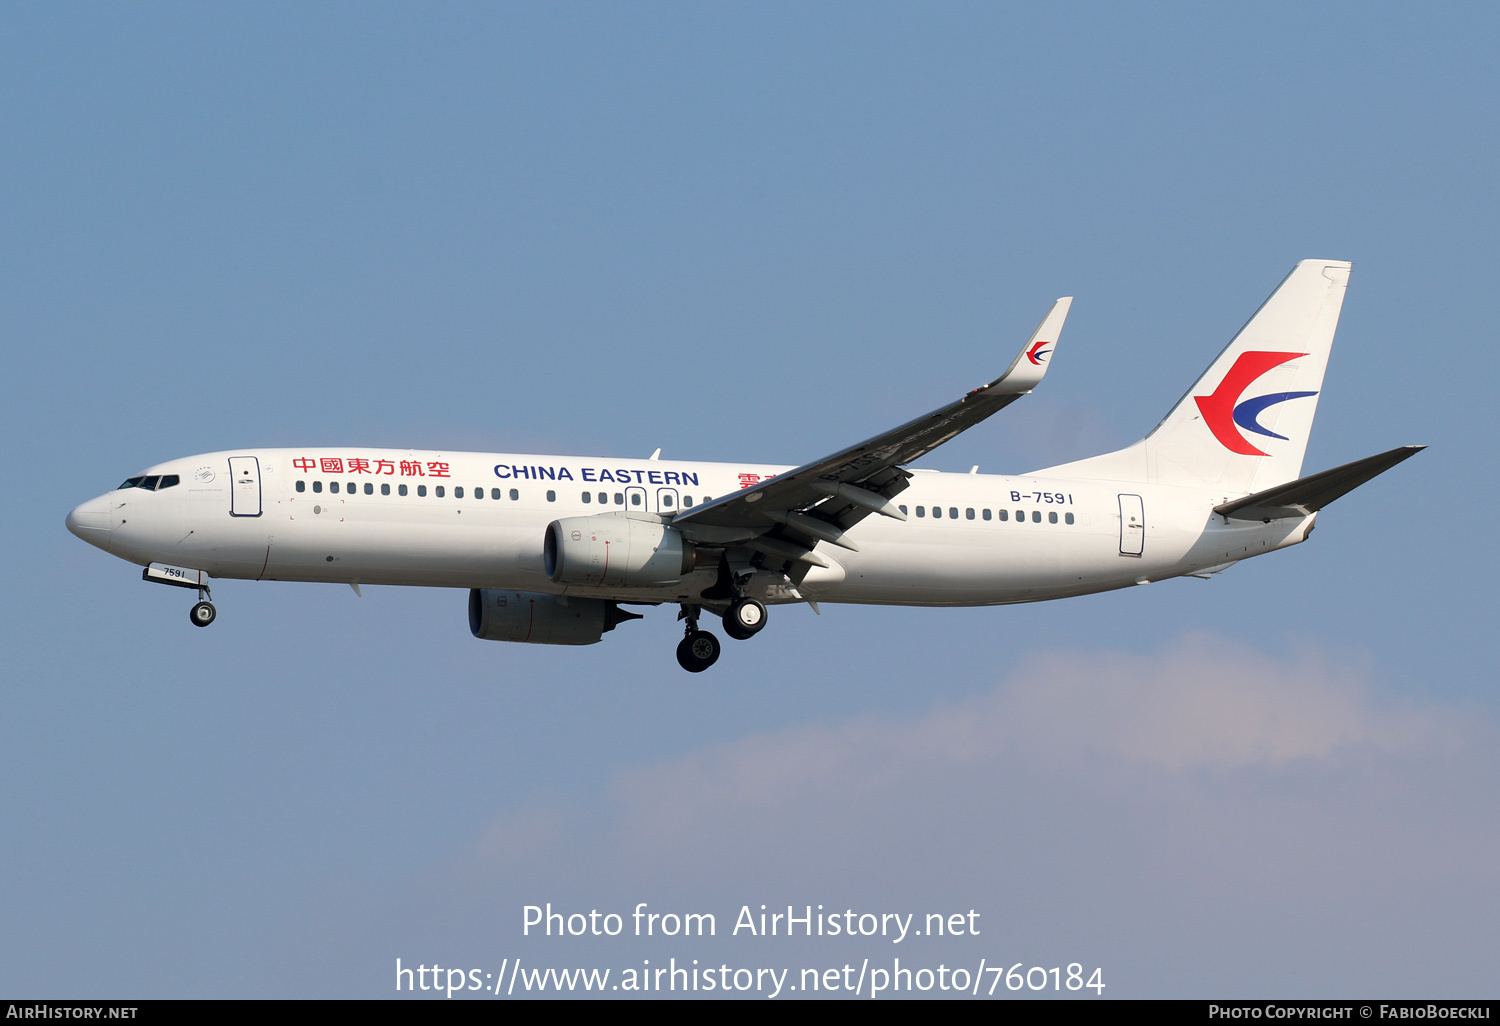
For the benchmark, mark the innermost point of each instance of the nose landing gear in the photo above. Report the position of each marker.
(202, 614)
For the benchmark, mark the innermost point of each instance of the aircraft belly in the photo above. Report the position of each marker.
(480, 551)
(956, 567)
(952, 570)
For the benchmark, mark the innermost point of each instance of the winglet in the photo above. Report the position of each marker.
(1030, 366)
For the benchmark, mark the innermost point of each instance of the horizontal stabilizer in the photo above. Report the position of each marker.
(1309, 494)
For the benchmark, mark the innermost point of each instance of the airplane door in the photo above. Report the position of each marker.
(635, 500)
(244, 486)
(666, 500)
(1132, 525)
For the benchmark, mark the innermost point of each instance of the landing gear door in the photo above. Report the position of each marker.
(1132, 525)
(244, 486)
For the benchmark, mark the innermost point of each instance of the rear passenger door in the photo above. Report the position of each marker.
(1132, 525)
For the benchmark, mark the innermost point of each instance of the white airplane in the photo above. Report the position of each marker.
(551, 547)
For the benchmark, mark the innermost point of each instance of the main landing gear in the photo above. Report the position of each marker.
(744, 618)
(698, 649)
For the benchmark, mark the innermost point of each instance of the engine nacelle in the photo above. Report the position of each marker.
(539, 619)
(614, 552)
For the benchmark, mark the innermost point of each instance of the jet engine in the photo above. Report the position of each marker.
(615, 552)
(540, 619)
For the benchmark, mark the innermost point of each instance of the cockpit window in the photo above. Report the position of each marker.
(153, 483)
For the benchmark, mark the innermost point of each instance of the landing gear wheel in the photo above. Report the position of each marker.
(744, 618)
(698, 651)
(202, 614)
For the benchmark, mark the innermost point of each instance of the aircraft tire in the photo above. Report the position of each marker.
(202, 614)
(744, 618)
(698, 651)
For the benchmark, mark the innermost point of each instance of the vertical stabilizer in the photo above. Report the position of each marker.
(1244, 425)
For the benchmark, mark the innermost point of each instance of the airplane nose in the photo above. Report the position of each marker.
(92, 521)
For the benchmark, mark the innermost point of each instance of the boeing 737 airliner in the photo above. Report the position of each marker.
(551, 548)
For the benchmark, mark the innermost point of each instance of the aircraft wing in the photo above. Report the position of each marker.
(819, 500)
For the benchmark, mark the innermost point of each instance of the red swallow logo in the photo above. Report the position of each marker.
(1223, 410)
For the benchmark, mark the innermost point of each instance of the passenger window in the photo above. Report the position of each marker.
(1020, 516)
(401, 489)
(301, 486)
(588, 497)
(937, 512)
(1036, 516)
(953, 512)
(1067, 518)
(1051, 518)
(494, 493)
(604, 498)
(438, 491)
(987, 514)
(1005, 514)
(969, 513)
(619, 498)
(515, 495)
(687, 500)
(369, 488)
(902, 509)
(458, 492)
(666, 500)
(168, 481)
(921, 511)
(385, 489)
(317, 486)
(479, 493)
(352, 488)
(635, 498)
(421, 491)
(333, 486)
(551, 496)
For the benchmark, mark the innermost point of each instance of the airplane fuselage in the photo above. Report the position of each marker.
(477, 520)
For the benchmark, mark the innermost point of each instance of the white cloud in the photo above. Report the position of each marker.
(1206, 820)
(1204, 705)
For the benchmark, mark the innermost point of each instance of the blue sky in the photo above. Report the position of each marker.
(743, 232)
